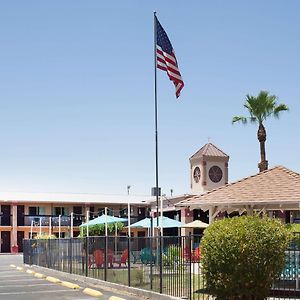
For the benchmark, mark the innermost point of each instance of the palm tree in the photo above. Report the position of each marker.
(260, 108)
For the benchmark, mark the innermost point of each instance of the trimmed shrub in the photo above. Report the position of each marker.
(99, 229)
(242, 256)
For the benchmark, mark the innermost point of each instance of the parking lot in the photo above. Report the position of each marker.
(18, 285)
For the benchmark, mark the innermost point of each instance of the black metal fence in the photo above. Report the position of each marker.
(168, 265)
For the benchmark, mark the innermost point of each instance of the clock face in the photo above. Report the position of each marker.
(215, 174)
(197, 174)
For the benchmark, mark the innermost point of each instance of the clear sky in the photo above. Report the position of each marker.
(76, 91)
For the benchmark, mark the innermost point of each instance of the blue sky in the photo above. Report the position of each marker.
(76, 91)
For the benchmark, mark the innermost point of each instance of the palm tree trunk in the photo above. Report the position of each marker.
(262, 136)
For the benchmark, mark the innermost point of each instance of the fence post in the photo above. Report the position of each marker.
(160, 264)
(48, 253)
(151, 255)
(86, 255)
(105, 258)
(191, 249)
(70, 255)
(38, 248)
(129, 251)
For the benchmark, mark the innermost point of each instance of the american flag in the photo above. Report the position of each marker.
(166, 59)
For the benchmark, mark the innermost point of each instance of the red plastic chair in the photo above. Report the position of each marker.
(110, 257)
(123, 258)
(99, 258)
(196, 255)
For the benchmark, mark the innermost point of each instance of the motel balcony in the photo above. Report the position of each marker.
(44, 220)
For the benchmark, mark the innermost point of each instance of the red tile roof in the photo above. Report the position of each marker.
(275, 185)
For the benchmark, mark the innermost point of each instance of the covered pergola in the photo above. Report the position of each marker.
(275, 189)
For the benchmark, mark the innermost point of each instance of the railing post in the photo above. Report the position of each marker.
(129, 250)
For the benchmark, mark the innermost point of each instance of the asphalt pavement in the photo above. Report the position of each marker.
(17, 284)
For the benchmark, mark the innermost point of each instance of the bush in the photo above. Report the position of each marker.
(171, 256)
(242, 256)
(44, 236)
(99, 229)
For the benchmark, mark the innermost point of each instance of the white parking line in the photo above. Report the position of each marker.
(39, 292)
(8, 272)
(16, 275)
(26, 285)
(25, 279)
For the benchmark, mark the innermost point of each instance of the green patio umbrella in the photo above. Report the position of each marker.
(104, 219)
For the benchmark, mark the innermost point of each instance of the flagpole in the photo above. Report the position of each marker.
(155, 101)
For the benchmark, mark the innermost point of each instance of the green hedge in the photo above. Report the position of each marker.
(242, 256)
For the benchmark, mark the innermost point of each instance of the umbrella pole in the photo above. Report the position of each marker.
(116, 235)
(105, 213)
(87, 222)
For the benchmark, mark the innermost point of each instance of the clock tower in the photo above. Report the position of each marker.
(209, 169)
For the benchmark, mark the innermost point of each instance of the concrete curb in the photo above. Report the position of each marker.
(30, 272)
(20, 268)
(13, 266)
(39, 275)
(105, 284)
(70, 285)
(53, 279)
(92, 292)
(115, 298)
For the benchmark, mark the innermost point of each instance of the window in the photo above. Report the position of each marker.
(36, 211)
(59, 210)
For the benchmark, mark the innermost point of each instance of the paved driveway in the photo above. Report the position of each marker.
(19, 285)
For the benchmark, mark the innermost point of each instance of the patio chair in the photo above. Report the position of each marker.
(110, 257)
(99, 258)
(196, 255)
(123, 259)
(146, 257)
